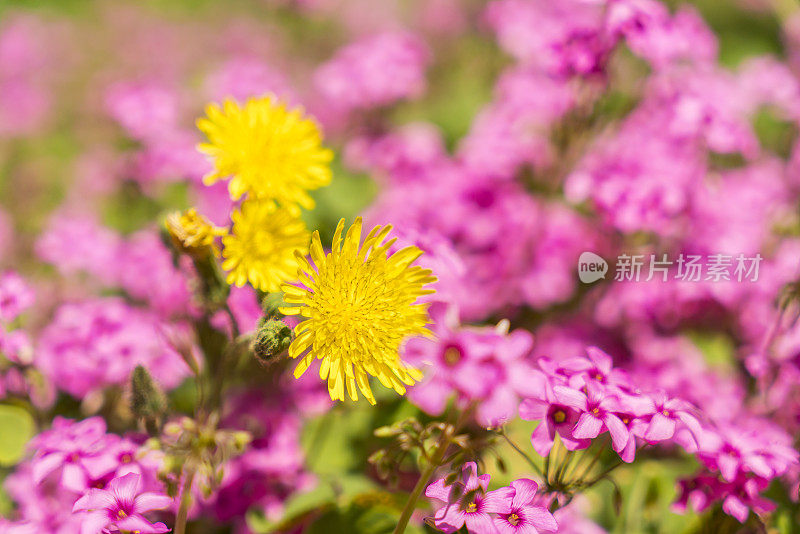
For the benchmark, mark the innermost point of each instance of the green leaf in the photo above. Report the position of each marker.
(325, 498)
(718, 349)
(16, 428)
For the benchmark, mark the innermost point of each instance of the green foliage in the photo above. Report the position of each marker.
(741, 33)
(775, 134)
(718, 349)
(16, 428)
(647, 490)
(786, 518)
(345, 499)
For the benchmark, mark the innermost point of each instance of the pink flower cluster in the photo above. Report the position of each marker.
(374, 71)
(139, 264)
(515, 249)
(24, 81)
(483, 366)
(17, 374)
(94, 344)
(585, 397)
(79, 466)
(516, 509)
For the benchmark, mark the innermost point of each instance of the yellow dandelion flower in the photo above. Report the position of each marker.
(192, 233)
(359, 305)
(269, 151)
(261, 247)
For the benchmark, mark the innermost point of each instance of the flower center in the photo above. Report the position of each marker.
(665, 412)
(452, 356)
(126, 458)
(122, 514)
(471, 508)
(595, 410)
(598, 377)
(559, 416)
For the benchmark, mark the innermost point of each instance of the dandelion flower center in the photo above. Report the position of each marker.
(360, 305)
(261, 248)
(270, 152)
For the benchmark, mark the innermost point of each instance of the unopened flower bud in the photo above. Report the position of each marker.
(193, 234)
(147, 400)
(273, 337)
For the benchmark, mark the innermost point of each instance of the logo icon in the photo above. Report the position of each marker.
(591, 267)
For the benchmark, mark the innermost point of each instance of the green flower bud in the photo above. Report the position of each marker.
(147, 400)
(273, 337)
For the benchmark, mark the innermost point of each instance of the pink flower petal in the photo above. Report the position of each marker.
(93, 522)
(542, 520)
(542, 438)
(151, 501)
(588, 426)
(525, 491)
(498, 501)
(137, 523)
(661, 428)
(570, 397)
(618, 430)
(95, 499)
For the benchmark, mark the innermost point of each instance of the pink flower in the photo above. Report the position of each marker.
(146, 110)
(468, 503)
(146, 272)
(525, 517)
(555, 416)
(72, 449)
(597, 366)
(561, 38)
(244, 77)
(121, 507)
(374, 71)
(475, 364)
(80, 244)
(672, 418)
(16, 296)
(738, 497)
(596, 409)
(97, 343)
(663, 40)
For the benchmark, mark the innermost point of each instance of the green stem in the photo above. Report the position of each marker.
(547, 468)
(232, 319)
(422, 483)
(591, 464)
(560, 478)
(522, 453)
(602, 475)
(555, 452)
(427, 473)
(186, 499)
